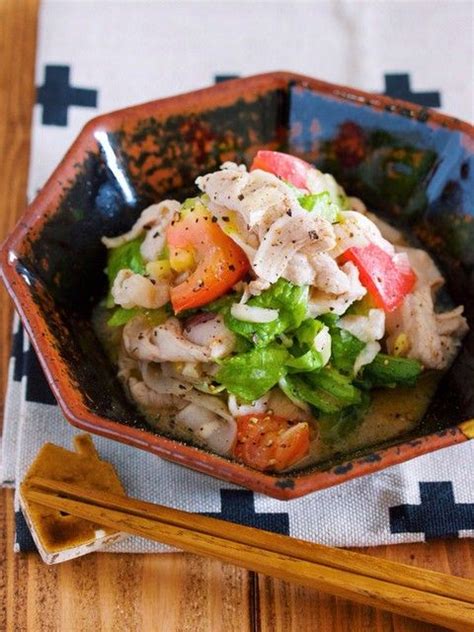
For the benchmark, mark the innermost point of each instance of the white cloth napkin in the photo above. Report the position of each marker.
(100, 56)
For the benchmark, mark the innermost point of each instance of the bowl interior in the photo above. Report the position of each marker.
(416, 172)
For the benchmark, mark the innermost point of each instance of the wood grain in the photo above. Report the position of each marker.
(287, 607)
(150, 593)
(17, 92)
(436, 598)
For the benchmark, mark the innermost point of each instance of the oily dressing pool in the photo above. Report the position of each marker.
(392, 413)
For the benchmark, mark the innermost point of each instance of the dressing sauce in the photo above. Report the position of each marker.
(392, 412)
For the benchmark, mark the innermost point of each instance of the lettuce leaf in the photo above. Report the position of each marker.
(327, 390)
(307, 331)
(344, 346)
(121, 316)
(127, 255)
(303, 355)
(318, 398)
(336, 384)
(321, 204)
(344, 350)
(155, 317)
(290, 300)
(309, 361)
(250, 375)
(335, 426)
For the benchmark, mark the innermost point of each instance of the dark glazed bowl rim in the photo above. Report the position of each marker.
(286, 486)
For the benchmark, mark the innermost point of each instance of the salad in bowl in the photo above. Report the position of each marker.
(268, 317)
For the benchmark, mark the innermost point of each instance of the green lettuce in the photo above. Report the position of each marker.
(335, 426)
(336, 384)
(309, 361)
(127, 255)
(303, 355)
(321, 204)
(327, 390)
(290, 300)
(318, 398)
(250, 375)
(344, 346)
(344, 350)
(121, 316)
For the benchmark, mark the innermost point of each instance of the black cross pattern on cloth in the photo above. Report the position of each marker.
(238, 505)
(17, 353)
(398, 87)
(221, 78)
(438, 514)
(23, 537)
(56, 95)
(37, 387)
(27, 364)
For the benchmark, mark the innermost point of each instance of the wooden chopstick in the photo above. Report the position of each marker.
(402, 589)
(403, 574)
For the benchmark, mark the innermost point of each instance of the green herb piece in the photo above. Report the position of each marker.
(317, 397)
(336, 384)
(388, 370)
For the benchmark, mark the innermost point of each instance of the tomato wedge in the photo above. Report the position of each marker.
(387, 281)
(221, 263)
(289, 168)
(268, 442)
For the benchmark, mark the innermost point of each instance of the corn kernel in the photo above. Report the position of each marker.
(181, 259)
(402, 345)
(158, 270)
(230, 224)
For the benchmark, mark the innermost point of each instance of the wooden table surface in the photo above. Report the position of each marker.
(168, 592)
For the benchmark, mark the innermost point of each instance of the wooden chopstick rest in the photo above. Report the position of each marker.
(60, 536)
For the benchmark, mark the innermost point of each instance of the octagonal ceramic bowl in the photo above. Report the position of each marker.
(410, 163)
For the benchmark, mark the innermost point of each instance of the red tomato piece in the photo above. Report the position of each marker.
(221, 263)
(268, 442)
(289, 168)
(387, 281)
